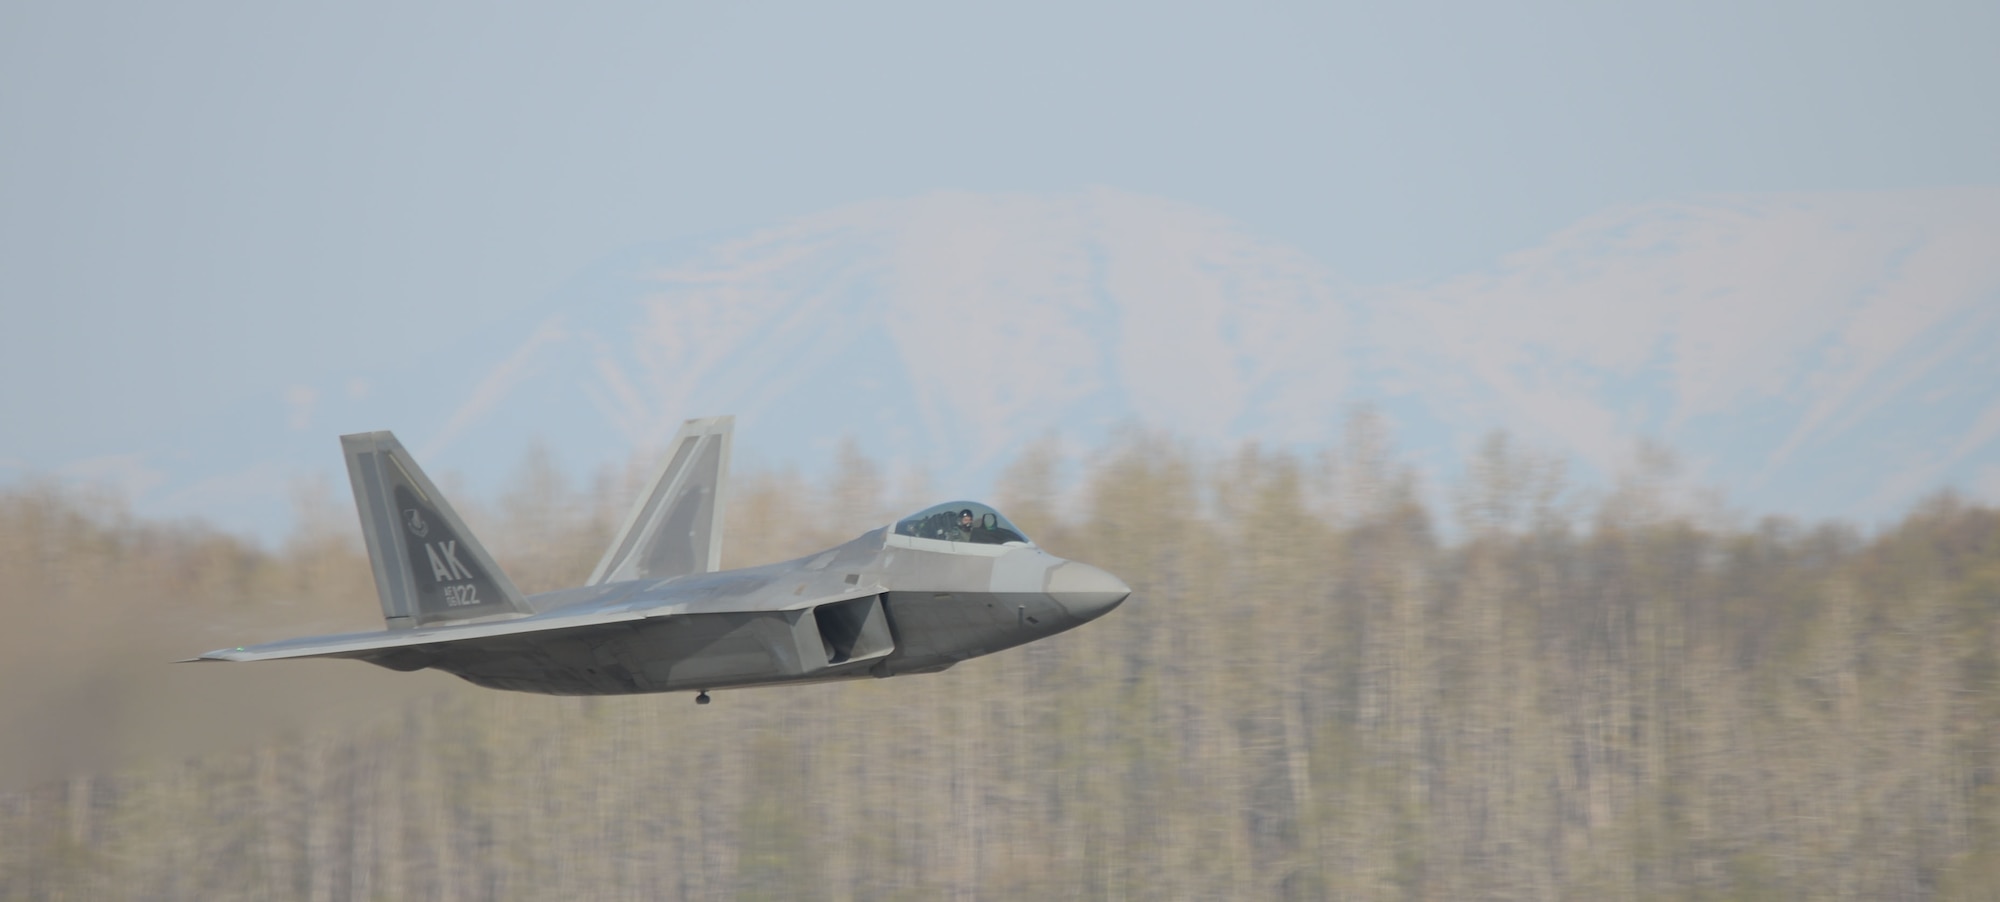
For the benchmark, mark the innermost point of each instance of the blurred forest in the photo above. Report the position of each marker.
(1322, 687)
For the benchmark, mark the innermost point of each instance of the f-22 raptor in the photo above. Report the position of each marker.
(948, 583)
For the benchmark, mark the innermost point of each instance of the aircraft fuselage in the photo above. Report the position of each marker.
(877, 606)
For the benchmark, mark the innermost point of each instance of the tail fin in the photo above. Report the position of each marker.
(428, 567)
(676, 527)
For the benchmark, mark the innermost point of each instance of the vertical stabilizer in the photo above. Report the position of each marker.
(428, 567)
(675, 528)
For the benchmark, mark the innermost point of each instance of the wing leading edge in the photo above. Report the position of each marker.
(675, 528)
(368, 646)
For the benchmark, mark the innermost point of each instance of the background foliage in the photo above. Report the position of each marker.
(1312, 694)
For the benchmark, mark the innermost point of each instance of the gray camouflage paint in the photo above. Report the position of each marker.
(657, 617)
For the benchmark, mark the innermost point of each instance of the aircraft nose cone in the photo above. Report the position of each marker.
(1086, 592)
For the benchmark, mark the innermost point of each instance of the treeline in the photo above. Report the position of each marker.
(1323, 687)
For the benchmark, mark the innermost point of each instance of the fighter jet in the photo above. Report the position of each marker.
(947, 583)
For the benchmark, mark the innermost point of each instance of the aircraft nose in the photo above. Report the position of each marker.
(1086, 592)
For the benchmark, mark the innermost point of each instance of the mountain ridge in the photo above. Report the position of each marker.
(1816, 354)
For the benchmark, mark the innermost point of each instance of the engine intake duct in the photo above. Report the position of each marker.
(854, 630)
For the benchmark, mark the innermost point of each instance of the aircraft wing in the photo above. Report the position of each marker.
(386, 646)
(383, 643)
(675, 528)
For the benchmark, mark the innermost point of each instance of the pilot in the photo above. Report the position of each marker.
(964, 531)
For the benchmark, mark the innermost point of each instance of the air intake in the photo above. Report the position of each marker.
(855, 630)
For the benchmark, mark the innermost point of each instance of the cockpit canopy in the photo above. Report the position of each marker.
(960, 521)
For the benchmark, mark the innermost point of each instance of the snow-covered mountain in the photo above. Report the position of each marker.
(1816, 354)
(947, 331)
(1812, 354)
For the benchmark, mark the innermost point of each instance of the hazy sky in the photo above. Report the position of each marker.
(200, 202)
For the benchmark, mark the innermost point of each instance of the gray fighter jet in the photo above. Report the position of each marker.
(948, 583)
